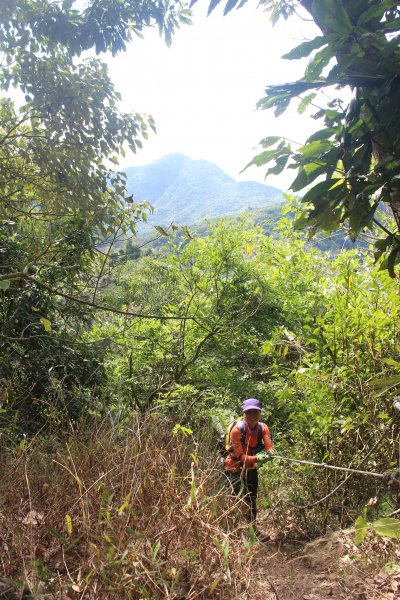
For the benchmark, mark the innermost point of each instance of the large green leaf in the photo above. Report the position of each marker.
(391, 362)
(306, 48)
(321, 188)
(5, 284)
(382, 382)
(315, 149)
(281, 163)
(361, 528)
(270, 141)
(376, 11)
(305, 102)
(262, 159)
(387, 527)
(318, 63)
(307, 175)
(333, 15)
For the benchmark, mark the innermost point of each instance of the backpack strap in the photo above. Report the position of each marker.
(231, 425)
(243, 431)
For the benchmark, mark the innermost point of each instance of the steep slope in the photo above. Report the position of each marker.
(185, 190)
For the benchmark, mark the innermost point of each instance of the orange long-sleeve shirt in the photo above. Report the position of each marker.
(244, 454)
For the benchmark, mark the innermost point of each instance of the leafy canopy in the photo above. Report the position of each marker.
(350, 167)
(62, 204)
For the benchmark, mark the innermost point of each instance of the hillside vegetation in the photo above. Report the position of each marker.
(119, 372)
(223, 317)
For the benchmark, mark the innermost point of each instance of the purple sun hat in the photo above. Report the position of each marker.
(251, 404)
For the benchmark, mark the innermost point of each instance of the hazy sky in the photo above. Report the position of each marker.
(203, 90)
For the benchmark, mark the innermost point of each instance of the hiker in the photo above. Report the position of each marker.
(250, 447)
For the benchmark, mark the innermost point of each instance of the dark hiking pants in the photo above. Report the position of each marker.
(247, 484)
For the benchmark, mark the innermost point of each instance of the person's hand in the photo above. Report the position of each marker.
(264, 457)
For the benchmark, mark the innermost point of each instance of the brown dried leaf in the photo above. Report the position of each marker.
(373, 501)
(33, 518)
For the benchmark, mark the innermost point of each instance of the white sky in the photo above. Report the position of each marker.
(202, 91)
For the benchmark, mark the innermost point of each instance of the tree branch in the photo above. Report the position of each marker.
(126, 313)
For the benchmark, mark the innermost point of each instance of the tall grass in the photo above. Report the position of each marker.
(136, 513)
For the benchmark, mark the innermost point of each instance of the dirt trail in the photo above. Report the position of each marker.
(329, 568)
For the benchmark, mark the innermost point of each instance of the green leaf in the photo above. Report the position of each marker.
(46, 324)
(306, 48)
(161, 230)
(332, 14)
(317, 64)
(155, 550)
(5, 284)
(261, 159)
(387, 527)
(306, 101)
(361, 528)
(55, 534)
(391, 362)
(320, 189)
(379, 383)
(281, 106)
(281, 163)
(315, 149)
(392, 260)
(301, 222)
(125, 504)
(270, 141)
(373, 12)
(214, 585)
(193, 491)
(307, 175)
(74, 542)
(186, 232)
(68, 521)
(322, 134)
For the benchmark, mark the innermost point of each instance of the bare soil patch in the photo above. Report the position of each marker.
(328, 568)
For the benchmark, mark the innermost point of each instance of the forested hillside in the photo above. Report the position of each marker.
(120, 371)
(185, 191)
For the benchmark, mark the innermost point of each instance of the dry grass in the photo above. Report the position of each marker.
(135, 514)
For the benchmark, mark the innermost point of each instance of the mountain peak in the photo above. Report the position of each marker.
(185, 190)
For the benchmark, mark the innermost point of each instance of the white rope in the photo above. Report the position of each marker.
(326, 466)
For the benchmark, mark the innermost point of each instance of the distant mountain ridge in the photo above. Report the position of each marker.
(183, 190)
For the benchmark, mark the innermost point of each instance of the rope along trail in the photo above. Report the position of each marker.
(326, 466)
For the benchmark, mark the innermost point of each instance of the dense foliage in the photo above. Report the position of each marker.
(316, 340)
(62, 205)
(96, 329)
(348, 168)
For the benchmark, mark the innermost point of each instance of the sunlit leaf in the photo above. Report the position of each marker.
(391, 362)
(270, 141)
(186, 231)
(214, 585)
(383, 382)
(68, 520)
(5, 284)
(387, 527)
(361, 528)
(46, 324)
(161, 230)
(306, 48)
(306, 101)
